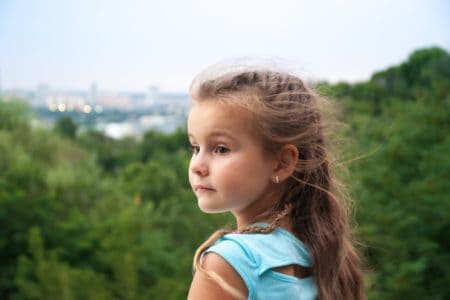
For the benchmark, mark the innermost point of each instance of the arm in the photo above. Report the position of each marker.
(203, 287)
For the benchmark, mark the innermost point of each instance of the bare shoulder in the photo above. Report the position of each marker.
(203, 287)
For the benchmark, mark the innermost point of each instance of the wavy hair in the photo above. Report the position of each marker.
(286, 111)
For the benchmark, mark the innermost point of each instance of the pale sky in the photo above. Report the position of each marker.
(128, 45)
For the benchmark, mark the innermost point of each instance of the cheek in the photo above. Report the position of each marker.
(225, 172)
(242, 173)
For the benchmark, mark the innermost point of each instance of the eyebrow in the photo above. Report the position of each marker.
(217, 133)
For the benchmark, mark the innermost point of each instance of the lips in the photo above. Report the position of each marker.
(202, 188)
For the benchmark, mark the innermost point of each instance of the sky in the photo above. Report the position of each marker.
(129, 45)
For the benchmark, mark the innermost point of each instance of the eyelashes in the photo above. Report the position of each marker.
(194, 149)
(219, 149)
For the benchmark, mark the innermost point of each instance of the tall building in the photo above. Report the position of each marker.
(152, 95)
(42, 95)
(93, 95)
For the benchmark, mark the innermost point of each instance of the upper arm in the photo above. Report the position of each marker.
(203, 287)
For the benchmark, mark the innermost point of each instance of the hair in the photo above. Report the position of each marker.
(285, 111)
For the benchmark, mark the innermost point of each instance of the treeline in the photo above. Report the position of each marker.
(400, 124)
(84, 216)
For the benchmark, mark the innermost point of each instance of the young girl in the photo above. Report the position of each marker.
(260, 152)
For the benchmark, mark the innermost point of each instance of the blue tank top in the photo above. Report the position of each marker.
(254, 256)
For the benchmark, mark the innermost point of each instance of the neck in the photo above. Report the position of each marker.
(258, 211)
(282, 220)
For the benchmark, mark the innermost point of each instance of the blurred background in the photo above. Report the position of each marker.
(94, 197)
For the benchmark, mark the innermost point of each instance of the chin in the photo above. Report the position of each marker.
(210, 209)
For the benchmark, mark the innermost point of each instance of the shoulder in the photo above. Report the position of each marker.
(231, 259)
(241, 260)
(204, 287)
(253, 254)
(259, 251)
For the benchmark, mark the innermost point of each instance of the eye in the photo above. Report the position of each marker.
(194, 149)
(221, 149)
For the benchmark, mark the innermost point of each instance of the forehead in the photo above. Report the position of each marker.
(208, 117)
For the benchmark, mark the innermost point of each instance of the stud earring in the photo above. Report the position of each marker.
(277, 180)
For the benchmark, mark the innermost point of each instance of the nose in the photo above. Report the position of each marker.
(199, 166)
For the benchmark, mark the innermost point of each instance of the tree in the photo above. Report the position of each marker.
(66, 127)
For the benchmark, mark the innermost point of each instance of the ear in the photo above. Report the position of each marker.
(287, 158)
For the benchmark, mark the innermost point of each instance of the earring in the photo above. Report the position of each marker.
(277, 180)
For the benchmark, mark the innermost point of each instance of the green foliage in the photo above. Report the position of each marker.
(66, 127)
(111, 155)
(154, 142)
(401, 185)
(43, 276)
(14, 115)
(404, 200)
(84, 216)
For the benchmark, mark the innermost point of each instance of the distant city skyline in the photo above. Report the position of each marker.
(134, 45)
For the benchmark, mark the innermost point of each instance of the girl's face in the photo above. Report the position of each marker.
(228, 170)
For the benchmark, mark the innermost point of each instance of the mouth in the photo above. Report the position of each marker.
(202, 188)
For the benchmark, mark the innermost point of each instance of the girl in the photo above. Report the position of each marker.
(260, 152)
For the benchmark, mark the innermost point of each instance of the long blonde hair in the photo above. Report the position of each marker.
(285, 111)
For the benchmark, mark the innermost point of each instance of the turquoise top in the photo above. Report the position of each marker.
(254, 255)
